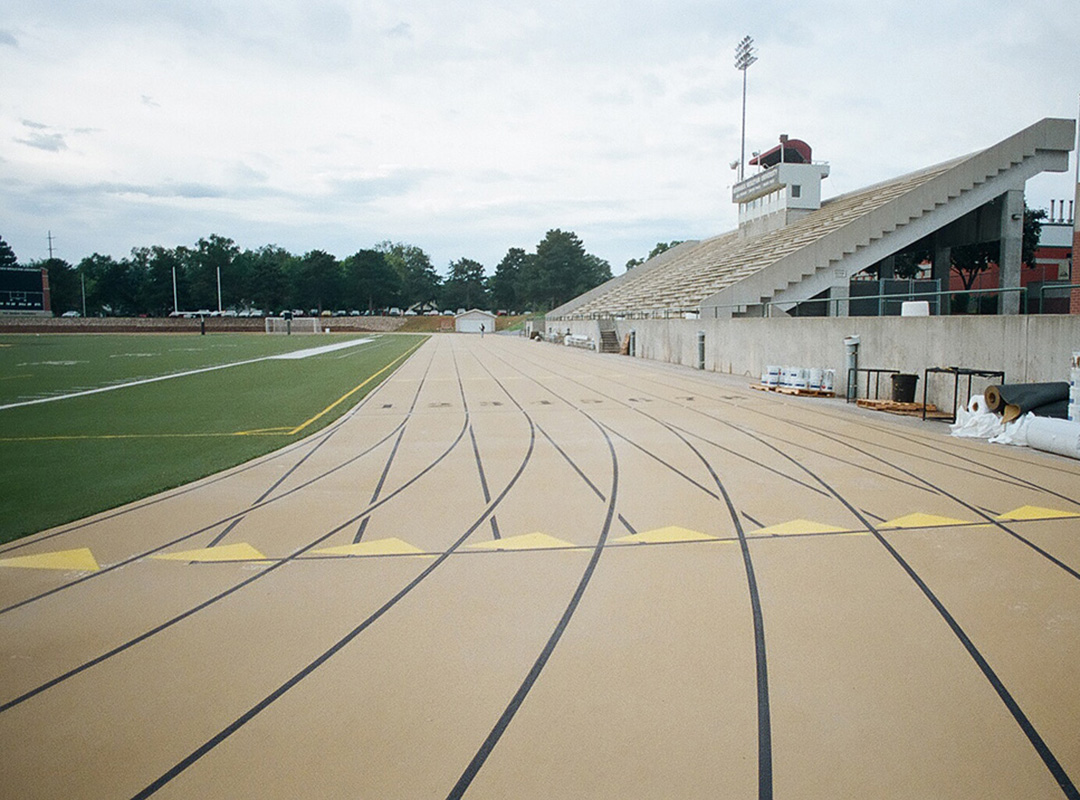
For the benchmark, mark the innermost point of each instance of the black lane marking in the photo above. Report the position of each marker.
(273, 565)
(974, 509)
(479, 466)
(659, 460)
(1040, 746)
(483, 482)
(1036, 740)
(232, 525)
(751, 520)
(507, 716)
(921, 482)
(627, 525)
(228, 518)
(326, 432)
(1043, 750)
(263, 704)
(1002, 475)
(570, 461)
(379, 486)
(765, 776)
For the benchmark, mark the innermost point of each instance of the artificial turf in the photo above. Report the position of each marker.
(68, 458)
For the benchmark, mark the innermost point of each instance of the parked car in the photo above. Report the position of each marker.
(70, 314)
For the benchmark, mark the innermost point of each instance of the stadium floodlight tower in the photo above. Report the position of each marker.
(745, 55)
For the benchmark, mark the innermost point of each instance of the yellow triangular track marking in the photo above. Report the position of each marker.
(920, 520)
(1035, 512)
(527, 541)
(797, 527)
(79, 559)
(377, 547)
(672, 533)
(242, 551)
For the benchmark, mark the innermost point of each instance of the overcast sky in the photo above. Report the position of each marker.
(469, 128)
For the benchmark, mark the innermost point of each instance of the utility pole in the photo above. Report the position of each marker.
(745, 55)
(50, 246)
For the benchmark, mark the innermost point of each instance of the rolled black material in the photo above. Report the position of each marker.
(1014, 399)
(1058, 409)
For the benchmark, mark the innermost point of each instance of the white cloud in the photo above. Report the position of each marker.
(471, 129)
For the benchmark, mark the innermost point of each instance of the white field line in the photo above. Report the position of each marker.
(312, 351)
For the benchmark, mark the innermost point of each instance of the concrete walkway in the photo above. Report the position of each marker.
(518, 570)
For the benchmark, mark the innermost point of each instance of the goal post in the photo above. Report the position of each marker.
(294, 325)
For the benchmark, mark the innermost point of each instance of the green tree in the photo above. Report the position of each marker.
(370, 281)
(7, 255)
(969, 260)
(504, 284)
(561, 270)
(266, 275)
(657, 250)
(110, 288)
(419, 281)
(64, 294)
(318, 281)
(465, 286)
(210, 255)
(1032, 233)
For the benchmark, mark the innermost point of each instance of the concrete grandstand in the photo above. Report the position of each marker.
(792, 250)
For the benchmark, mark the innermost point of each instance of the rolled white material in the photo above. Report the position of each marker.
(829, 381)
(1059, 436)
(1076, 359)
(977, 404)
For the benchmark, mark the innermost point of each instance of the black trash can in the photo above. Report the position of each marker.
(903, 388)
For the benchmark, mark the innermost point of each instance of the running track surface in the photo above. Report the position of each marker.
(517, 570)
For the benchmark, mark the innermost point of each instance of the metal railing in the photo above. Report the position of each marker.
(831, 304)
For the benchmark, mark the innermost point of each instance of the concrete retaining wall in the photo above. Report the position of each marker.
(1027, 348)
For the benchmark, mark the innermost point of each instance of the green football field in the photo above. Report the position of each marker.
(184, 406)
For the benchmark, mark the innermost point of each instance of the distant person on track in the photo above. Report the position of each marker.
(481, 330)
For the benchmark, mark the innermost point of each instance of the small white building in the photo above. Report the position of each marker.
(471, 321)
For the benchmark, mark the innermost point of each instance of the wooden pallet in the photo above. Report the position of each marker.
(905, 409)
(761, 387)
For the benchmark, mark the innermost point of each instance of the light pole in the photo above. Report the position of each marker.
(745, 55)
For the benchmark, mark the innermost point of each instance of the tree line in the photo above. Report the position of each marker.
(271, 279)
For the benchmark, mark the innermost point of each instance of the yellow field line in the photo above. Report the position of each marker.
(355, 389)
(284, 430)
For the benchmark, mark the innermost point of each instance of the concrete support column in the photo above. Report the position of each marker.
(888, 268)
(1074, 299)
(838, 296)
(942, 273)
(1012, 235)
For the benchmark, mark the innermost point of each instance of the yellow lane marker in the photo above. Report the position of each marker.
(920, 520)
(226, 552)
(527, 541)
(79, 559)
(354, 390)
(1035, 512)
(798, 527)
(377, 547)
(670, 534)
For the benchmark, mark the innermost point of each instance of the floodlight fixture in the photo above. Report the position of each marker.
(745, 55)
